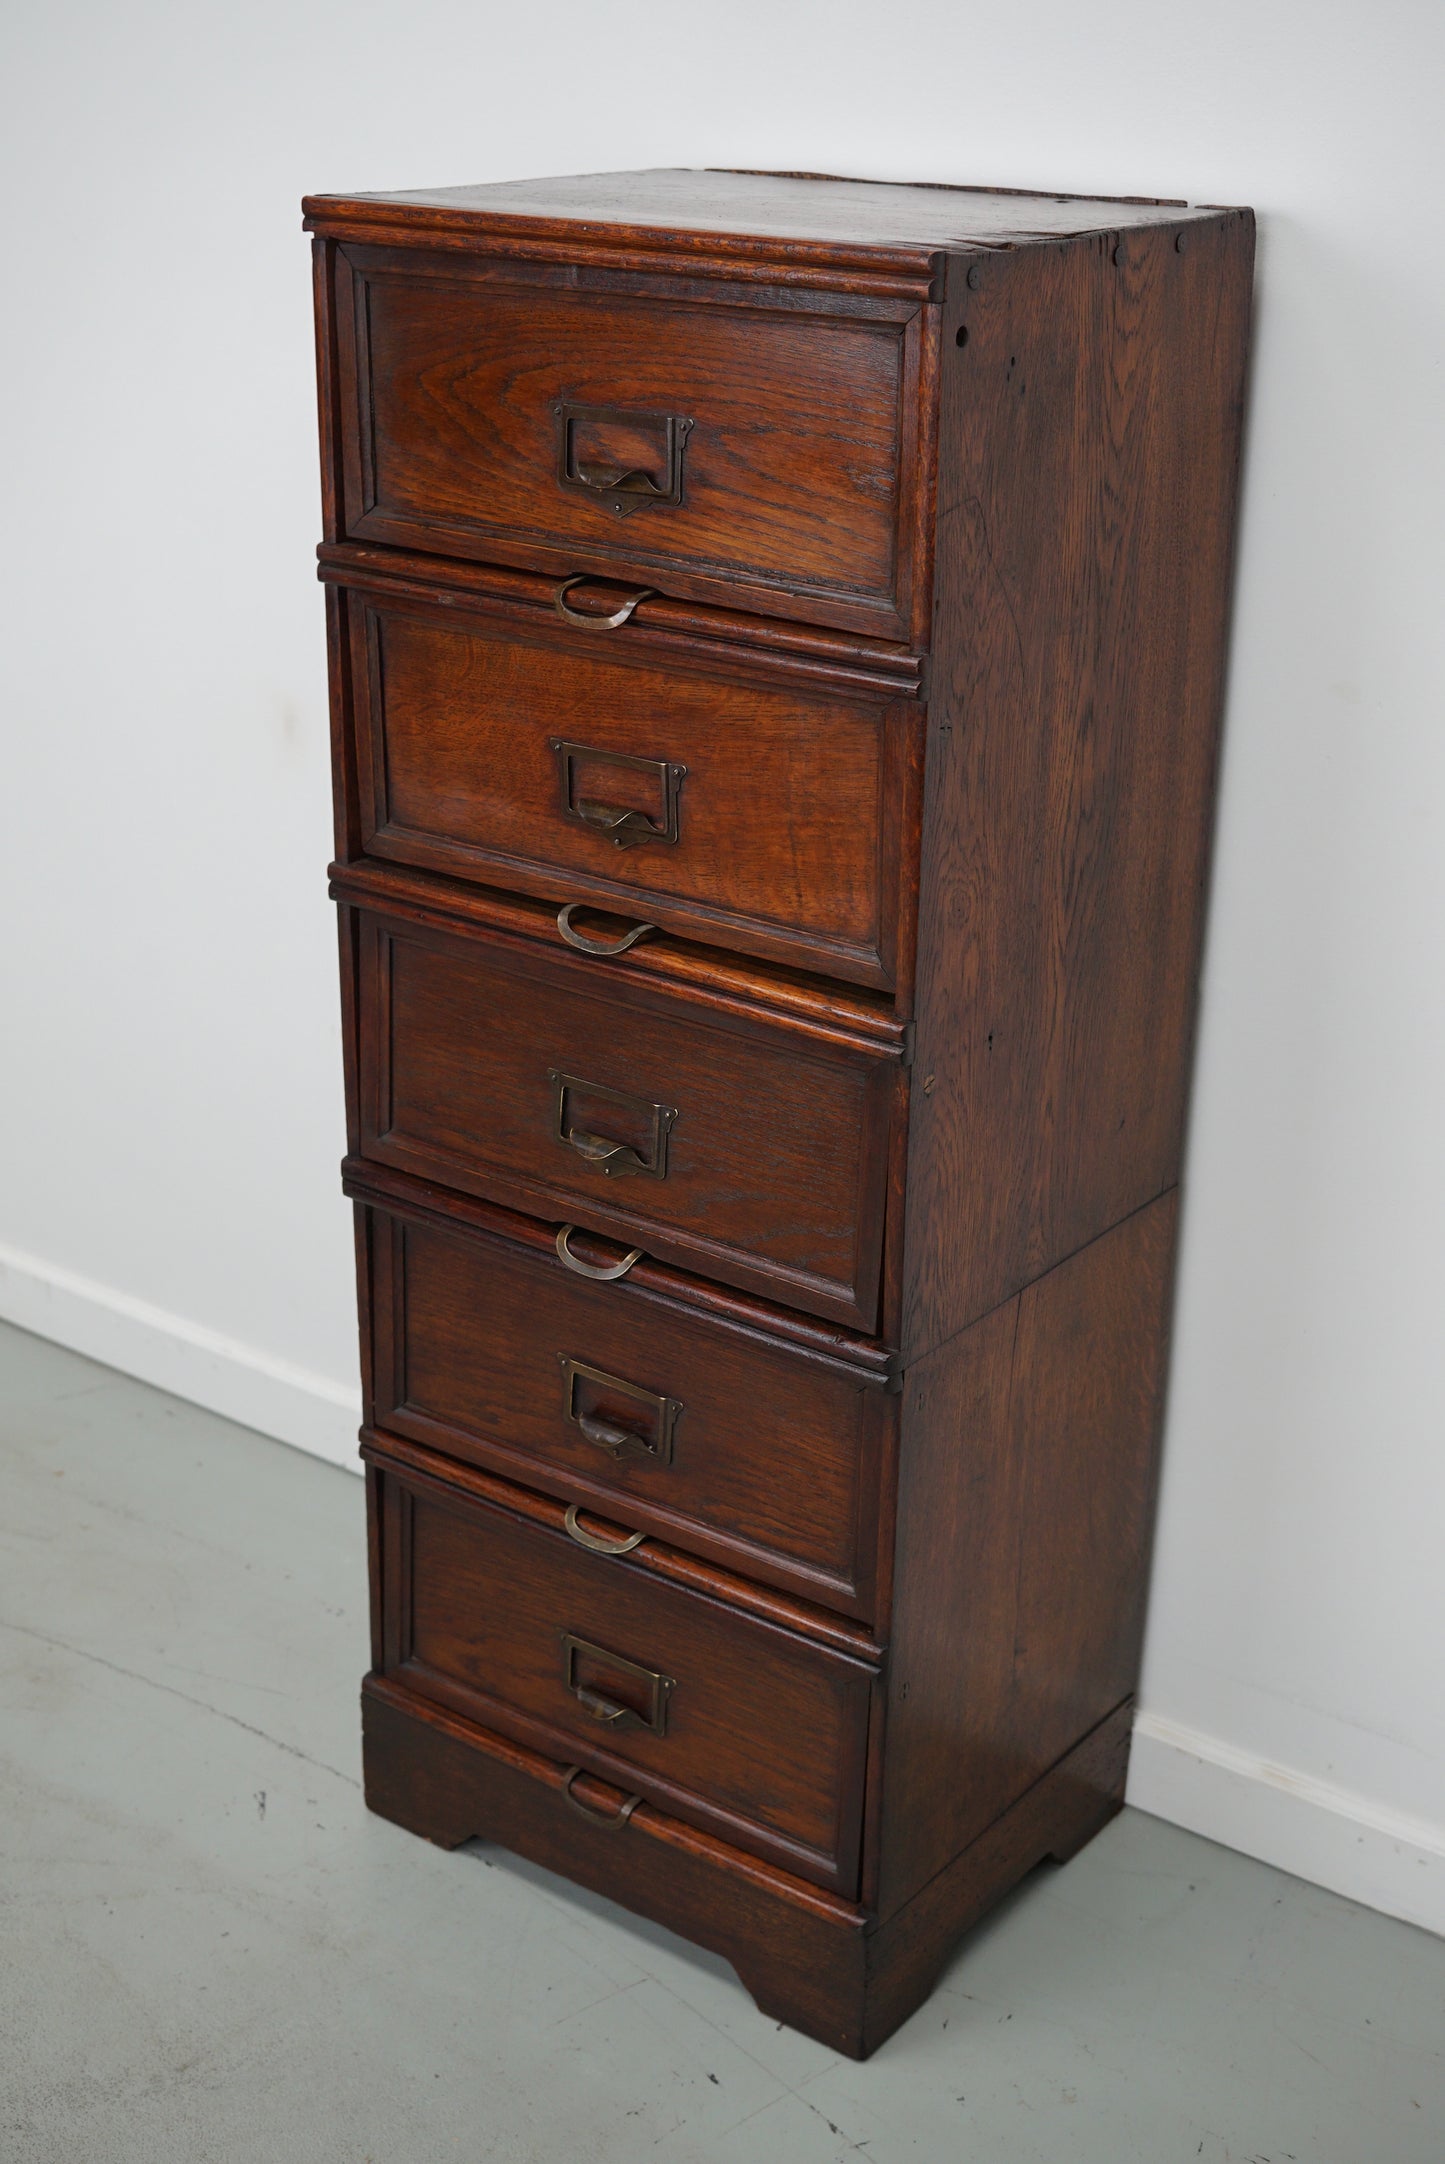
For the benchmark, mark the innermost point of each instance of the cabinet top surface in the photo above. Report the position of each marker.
(800, 208)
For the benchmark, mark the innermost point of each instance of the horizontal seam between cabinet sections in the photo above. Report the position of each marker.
(772, 644)
(511, 926)
(820, 1629)
(912, 1359)
(455, 1213)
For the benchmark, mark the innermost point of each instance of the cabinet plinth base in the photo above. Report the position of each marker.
(822, 1965)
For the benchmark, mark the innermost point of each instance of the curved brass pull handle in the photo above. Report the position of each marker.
(596, 623)
(584, 945)
(603, 1274)
(616, 1159)
(625, 828)
(606, 1709)
(609, 1821)
(616, 481)
(608, 1436)
(594, 1542)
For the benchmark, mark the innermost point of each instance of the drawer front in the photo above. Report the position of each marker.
(753, 1154)
(754, 1454)
(719, 444)
(764, 818)
(728, 1721)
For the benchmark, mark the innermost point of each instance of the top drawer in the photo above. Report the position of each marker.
(753, 447)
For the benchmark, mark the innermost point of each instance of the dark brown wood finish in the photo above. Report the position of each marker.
(460, 375)
(479, 735)
(930, 602)
(760, 1734)
(774, 1143)
(1089, 456)
(759, 1454)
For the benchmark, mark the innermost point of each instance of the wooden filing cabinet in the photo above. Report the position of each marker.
(776, 632)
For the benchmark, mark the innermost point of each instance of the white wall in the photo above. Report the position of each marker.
(171, 1073)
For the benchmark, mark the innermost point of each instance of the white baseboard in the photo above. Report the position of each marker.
(1346, 1842)
(310, 1411)
(1329, 1835)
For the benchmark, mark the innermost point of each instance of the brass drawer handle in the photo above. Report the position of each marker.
(623, 825)
(606, 1709)
(611, 1435)
(601, 1273)
(653, 1688)
(586, 622)
(609, 1821)
(594, 1543)
(618, 1160)
(621, 485)
(584, 945)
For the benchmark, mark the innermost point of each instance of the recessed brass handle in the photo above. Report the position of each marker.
(584, 945)
(617, 1160)
(617, 482)
(608, 1436)
(654, 1688)
(602, 1273)
(659, 1412)
(585, 622)
(622, 827)
(621, 824)
(605, 1709)
(595, 1543)
(609, 1821)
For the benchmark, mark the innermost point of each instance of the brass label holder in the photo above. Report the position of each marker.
(618, 823)
(623, 489)
(617, 1160)
(655, 1688)
(610, 1435)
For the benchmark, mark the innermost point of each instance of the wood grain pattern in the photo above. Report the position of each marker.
(792, 474)
(1088, 468)
(1025, 1510)
(817, 1962)
(938, 629)
(775, 1458)
(793, 852)
(765, 1733)
(776, 1163)
(661, 626)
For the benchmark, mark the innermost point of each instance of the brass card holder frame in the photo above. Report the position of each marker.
(610, 1435)
(618, 1160)
(614, 822)
(658, 1687)
(622, 489)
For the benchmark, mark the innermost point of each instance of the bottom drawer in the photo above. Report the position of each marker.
(721, 1718)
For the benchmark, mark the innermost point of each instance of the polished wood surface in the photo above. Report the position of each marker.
(1087, 493)
(775, 1159)
(829, 1432)
(460, 726)
(762, 1734)
(456, 376)
(753, 1452)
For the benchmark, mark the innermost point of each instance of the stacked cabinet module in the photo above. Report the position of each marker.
(776, 643)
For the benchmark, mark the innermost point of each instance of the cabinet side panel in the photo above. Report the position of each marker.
(1025, 1512)
(1089, 442)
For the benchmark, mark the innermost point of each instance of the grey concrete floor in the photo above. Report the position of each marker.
(210, 1952)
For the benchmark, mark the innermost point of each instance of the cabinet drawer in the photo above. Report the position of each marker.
(725, 443)
(722, 1718)
(754, 1151)
(761, 816)
(759, 1454)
